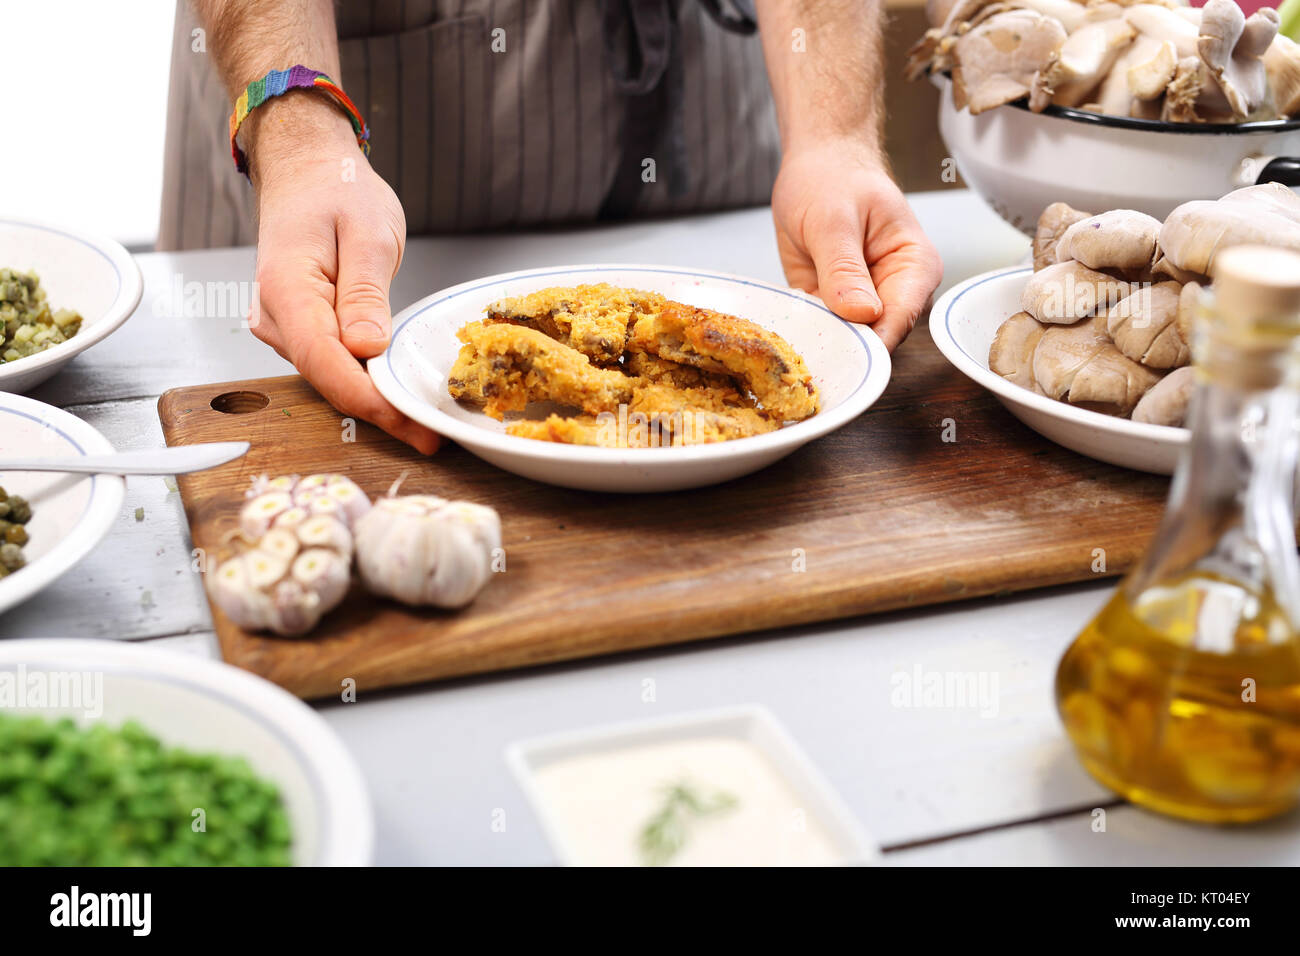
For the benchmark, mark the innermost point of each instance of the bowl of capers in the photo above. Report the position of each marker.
(49, 521)
(15, 512)
(61, 291)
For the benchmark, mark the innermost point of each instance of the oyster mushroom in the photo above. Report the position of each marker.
(1012, 352)
(1082, 62)
(1282, 66)
(1113, 95)
(1079, 364)
(936, 43)
(1232, 46)
(1052, 223)
(1188, 300)
(996, 61)
(1111, 383)
(1065, 349)
(1144, 326)
(1063, 293)
(1164, 24)
(1267, 214)
(1166, 402)
(1148, 77)
(1071, 14)
(1184, 91)
(1122, 239)
(1146, 109)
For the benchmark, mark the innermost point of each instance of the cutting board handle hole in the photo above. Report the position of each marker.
(239, 403)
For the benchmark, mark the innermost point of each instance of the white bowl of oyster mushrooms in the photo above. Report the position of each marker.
(1090, 346)
(1143, 107)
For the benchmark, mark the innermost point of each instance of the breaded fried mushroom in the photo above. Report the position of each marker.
(664, 371)
(514, 365)
(726, 345)
(594, 319)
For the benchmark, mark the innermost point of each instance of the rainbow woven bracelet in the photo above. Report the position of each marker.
(278, 82)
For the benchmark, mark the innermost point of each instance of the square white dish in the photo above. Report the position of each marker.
(821, 806)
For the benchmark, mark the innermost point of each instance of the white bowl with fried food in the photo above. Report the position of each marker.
(91, 275)
(963, 324)
(848, 364)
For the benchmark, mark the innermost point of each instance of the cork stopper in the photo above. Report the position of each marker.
(1259, 287)
(1247, 329)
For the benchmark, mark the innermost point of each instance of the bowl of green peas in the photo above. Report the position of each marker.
(116, 754)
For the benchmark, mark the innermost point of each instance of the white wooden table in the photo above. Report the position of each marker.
(935, 786)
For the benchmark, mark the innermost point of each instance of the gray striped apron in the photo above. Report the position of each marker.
(556, 128)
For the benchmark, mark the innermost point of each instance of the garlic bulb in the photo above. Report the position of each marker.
(421, 549)
(287, 500)
(293, 574)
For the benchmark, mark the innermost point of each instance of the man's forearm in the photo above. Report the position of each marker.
(248, 39)
(824, 61)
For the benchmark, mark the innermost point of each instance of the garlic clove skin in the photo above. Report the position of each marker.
(321, 504)
(280, 542)
(297, 572)
(260, 513)
(313, 482)
(324, 573)
(295, 610)
(469, 534)
(264, 568)
(351, 499)
(263, 484)
(326, 531)
(229, 589)
(289, 500)
(333, 494)
(392, 551)
(291, 518)
(424, 550)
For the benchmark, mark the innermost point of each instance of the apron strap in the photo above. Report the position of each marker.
(641, 41)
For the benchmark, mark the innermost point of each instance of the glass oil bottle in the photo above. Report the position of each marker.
(1183, 694)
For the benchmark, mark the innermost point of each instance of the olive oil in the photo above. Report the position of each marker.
(1183, 694)
(1209, 735)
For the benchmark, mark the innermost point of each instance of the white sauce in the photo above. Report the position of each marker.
(600, 802)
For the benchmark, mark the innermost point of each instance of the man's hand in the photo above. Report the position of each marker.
(846, 234)
(330, 238)
(328, 243)
(842, 226)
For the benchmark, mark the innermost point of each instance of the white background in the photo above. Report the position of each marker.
(85, 92)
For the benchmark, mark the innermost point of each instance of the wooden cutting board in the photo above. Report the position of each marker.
(934, 494)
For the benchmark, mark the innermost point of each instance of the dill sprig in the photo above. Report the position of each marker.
(666, 832)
